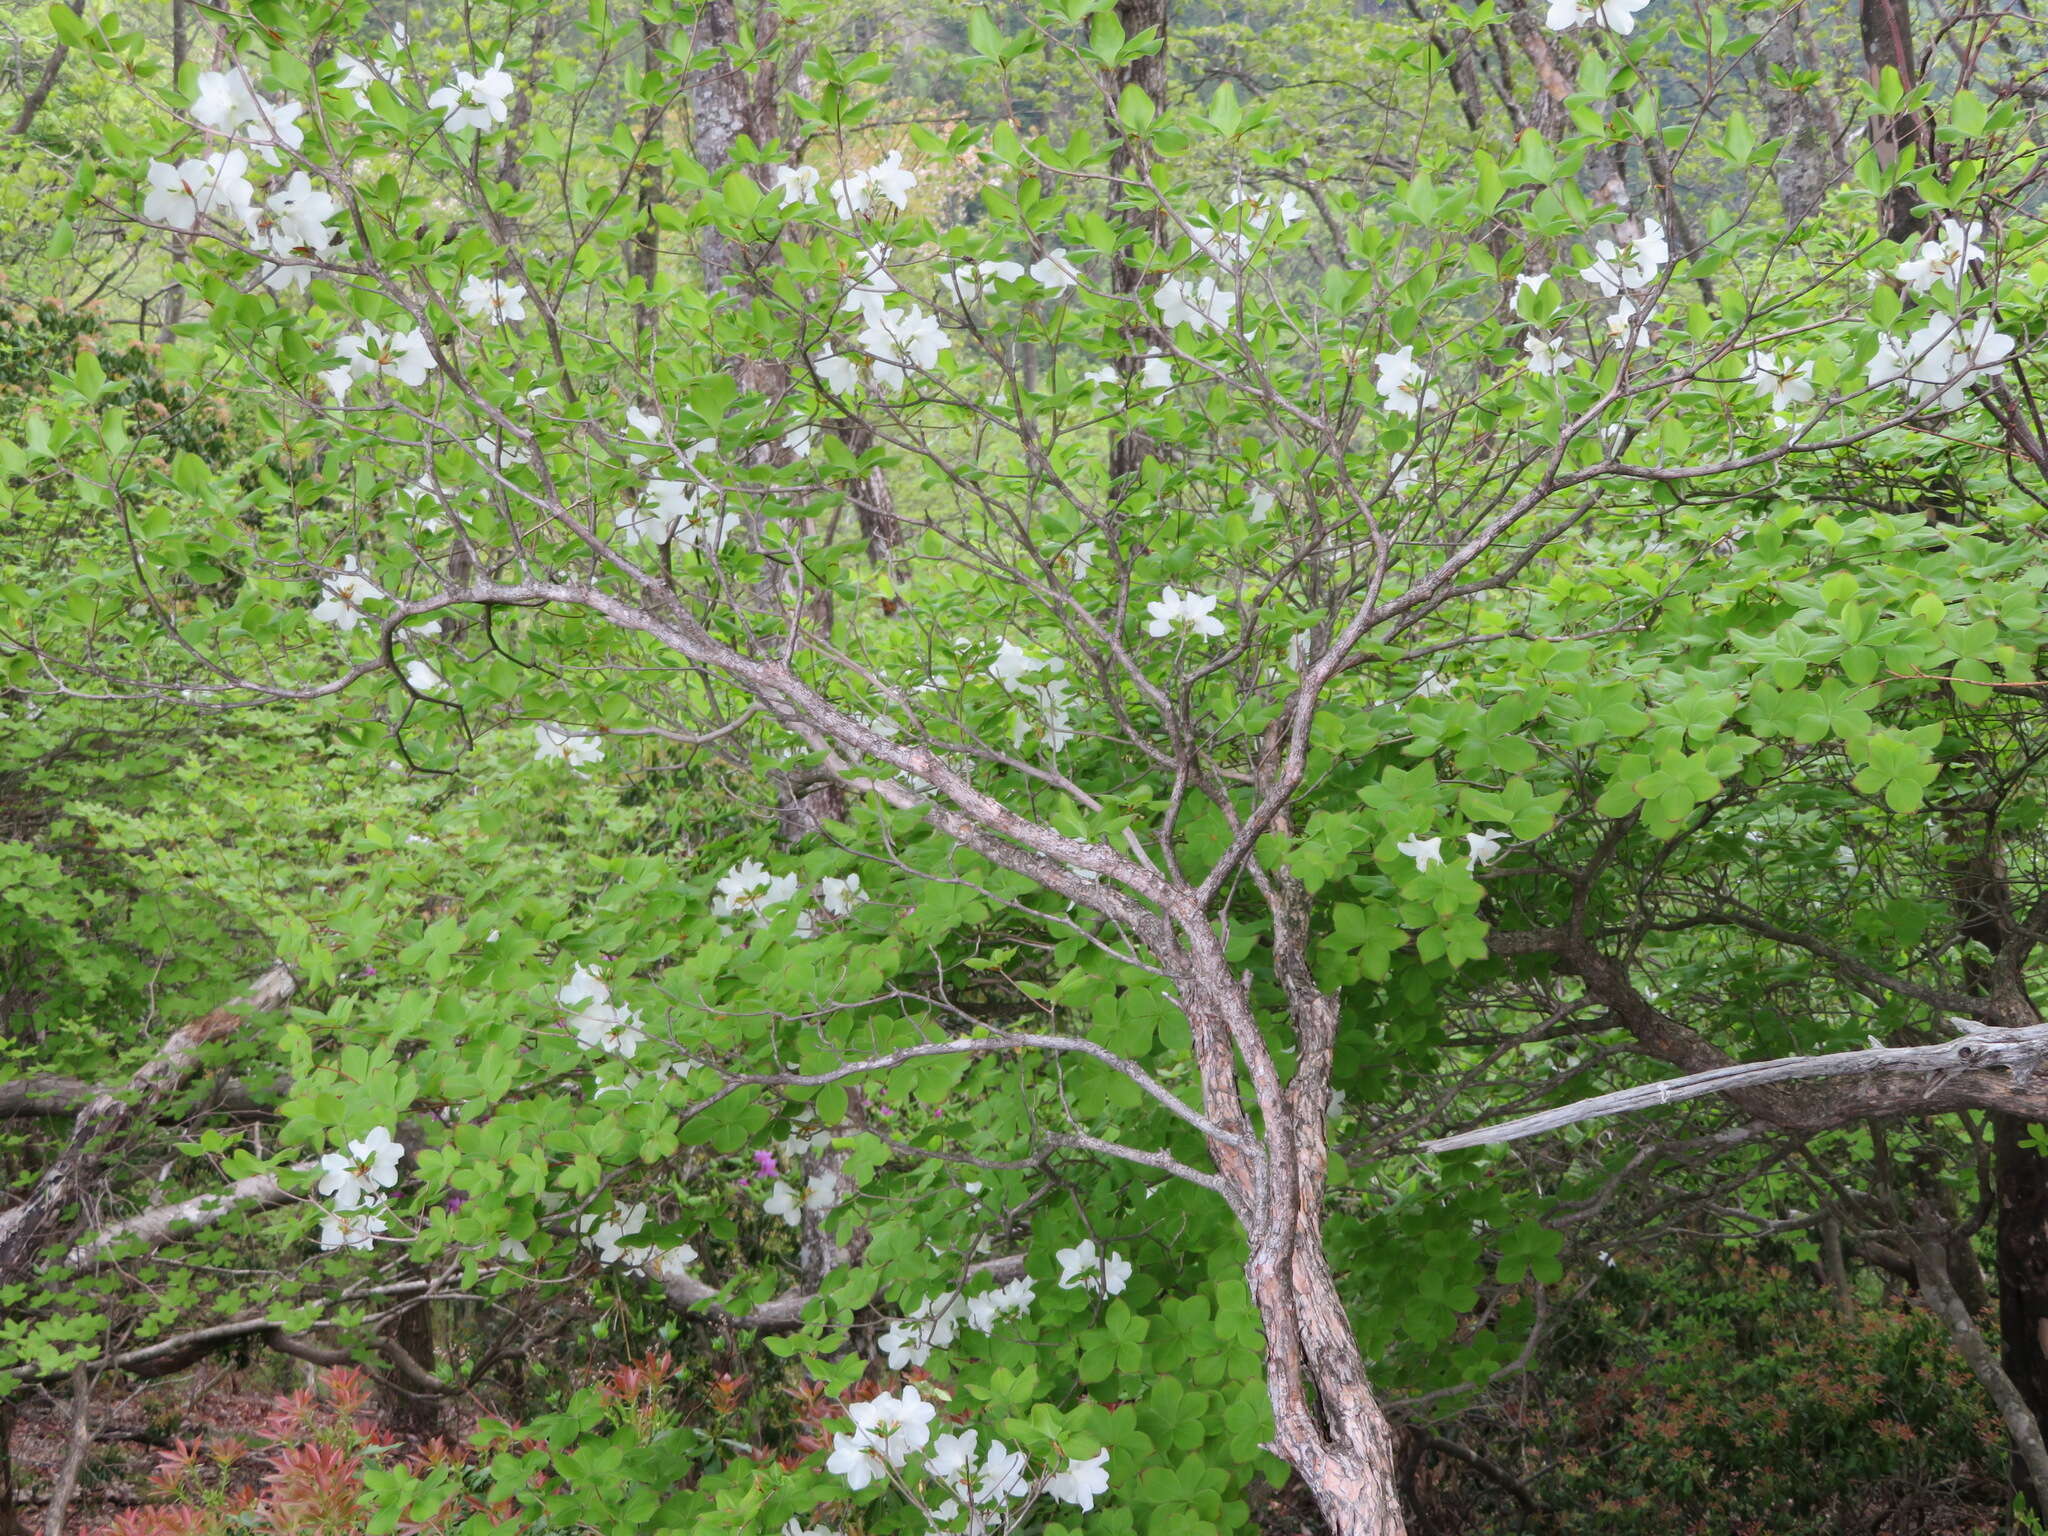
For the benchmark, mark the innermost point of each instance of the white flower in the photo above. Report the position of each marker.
(797, 184)
(583, 986)
(1013, 664)
(1202, 304)
(357, 75)
(299, 212)
(991, 1307)
(1434, 685)
(969, 282)
(1533, 281)
(1002, 1475)
(782, 1201)
(798, 440)
(181, 195)
(678, 512)
(1082, 1483)
(223, 100)
(899, 340)
(1055, 270)
(422, 678)
(1633, 264)
(1624, 325)
(1944, 260)
(1080, 1266)
(933, 1325)
(1546, 357)
(1260, 209)
(887, 181)
(1177, 610)
(1780, 380)
(609, 1027)
(475, 101)
(894, 1425)
(1615, 15)
(557, 744)
(610, 1237)
(1425, 851)
(821, 1193)
(1937, 361)
(401, 354)
(748, 890)
(857, 1460)
(353, 1178)
(1156, 372)
(1483, 847)
(1223, 246)
(870, 291)
(841, 375)
(350, 1229)
(950, 1457)
(1400, 383)
(839, 897)
(795, 1527)
(486, 298)
(345, 594)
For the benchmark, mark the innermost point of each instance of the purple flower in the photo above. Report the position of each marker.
(764, 1165)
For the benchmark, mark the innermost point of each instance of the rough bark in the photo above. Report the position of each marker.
(408, 1341)
(1887, 31)
(2021, 1177)
(1143, 221)
(1807, 165)
(108, 1119)
(644, 261)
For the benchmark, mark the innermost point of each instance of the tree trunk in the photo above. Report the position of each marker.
(1129, 277)
(1887, 30)
(644, 262)
(1806, 166)
(2022, 1414)
(404, 1407)
(2021, 1176)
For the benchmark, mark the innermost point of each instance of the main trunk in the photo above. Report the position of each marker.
(2022, 1179)
(1327, 1425)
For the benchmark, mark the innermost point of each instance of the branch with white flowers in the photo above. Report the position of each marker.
(2020, 1052)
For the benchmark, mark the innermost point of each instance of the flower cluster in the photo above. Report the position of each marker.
(600, 1024)
(1936, 362)
(1945, 259)
(936, 1322)
(1082, 1267)
(958, 1486)
(355, 1180)
(683, 512)
(1481, 848)
(747, 891)
(608, 1238)
(1049, 696)
(1182, 613)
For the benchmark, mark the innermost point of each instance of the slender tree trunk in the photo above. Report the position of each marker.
(32, 104)
(1129, 275)
(404, 1408)
(1806, 166)
(1887, 30)
(645, 259)
(1835, 1265)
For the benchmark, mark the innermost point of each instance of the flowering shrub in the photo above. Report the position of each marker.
(1227, 565)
